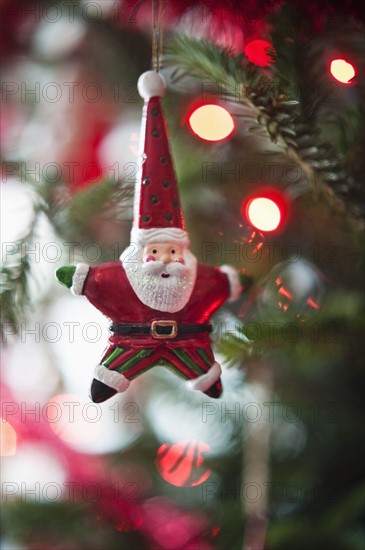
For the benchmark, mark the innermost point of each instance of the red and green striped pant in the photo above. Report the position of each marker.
(187, 361)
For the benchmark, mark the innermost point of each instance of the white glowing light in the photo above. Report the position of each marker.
(264, 214)
(342, 71)
(211, 122)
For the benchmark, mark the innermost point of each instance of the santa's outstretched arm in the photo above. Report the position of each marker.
(239, 281)
(73, 277)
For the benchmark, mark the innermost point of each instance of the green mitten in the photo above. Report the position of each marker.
(64, 275)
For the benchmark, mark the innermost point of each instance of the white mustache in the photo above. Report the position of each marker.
(157, 267)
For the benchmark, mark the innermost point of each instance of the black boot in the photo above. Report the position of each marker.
(215, 390)
(100, 392)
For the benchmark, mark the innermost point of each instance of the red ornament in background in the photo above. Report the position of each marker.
(265, 211)
(182, 464)
(257, 52)
(291, 291)
(342, 71)
(211, 122)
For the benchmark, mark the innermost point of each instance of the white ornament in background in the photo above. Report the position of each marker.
(83, 331)
(34, 473)
(176, 413)
(293, 289)
(27, 367)
(118, 151)
(200, 23)
(55, 37)
(99, 9)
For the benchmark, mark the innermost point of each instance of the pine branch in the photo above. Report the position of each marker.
(15, 269)
(274, 108)
(108, 198)
(14, 279)
(300, 63)
(69, 216)
(265, 336)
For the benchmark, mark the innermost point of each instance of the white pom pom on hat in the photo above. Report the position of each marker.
(151, 84)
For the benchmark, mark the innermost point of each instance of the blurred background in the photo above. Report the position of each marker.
(266, 120)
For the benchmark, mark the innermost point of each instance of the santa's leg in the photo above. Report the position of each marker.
(107, 382)
(117, 369)
(197, 365)
(209, 383)
(100, 392)
(215, 390)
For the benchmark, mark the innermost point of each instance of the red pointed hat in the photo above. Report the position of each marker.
(157, 212)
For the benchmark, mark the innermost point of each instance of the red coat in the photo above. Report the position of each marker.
(107, 287)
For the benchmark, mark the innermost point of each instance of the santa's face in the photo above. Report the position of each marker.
(168, 259)
(162, 275)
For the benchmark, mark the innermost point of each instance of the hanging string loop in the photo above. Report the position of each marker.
(157, 34)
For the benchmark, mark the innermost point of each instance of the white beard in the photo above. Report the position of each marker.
(163, 294)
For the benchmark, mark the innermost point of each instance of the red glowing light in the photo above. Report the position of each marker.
(285, 293)
(342, 71)
(257, 52)
(211, 123)
(182, 464)
(127, 525)
(265, 211)
(312, 303)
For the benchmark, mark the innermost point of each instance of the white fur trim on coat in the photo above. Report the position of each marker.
(111, 378)
(78, 278)
(204, 381)
(234, 282)
(159, 235)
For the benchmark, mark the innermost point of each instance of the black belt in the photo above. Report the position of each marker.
(162, 329)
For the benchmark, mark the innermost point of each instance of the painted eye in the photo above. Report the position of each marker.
(154, 251)
(173, 251)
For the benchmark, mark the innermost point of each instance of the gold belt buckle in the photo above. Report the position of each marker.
(155, 334)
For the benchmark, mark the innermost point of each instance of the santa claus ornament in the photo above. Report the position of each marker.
(158, 297)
